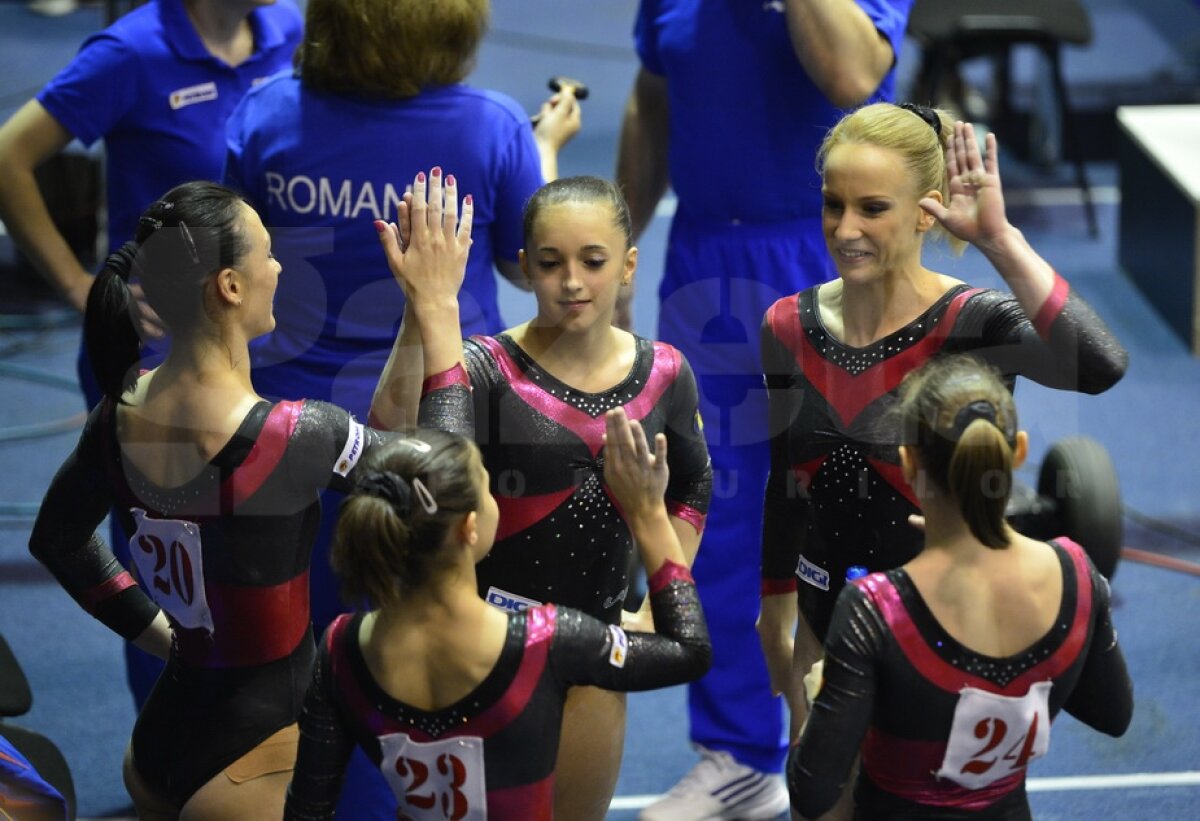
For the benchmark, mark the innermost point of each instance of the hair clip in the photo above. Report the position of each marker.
(927, 114)
(425, 497)
(151, 221)
(189, 242)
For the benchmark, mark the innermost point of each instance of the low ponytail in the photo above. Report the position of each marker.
(109, 329)
(980, 480)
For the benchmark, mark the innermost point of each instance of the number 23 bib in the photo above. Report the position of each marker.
(441, 779)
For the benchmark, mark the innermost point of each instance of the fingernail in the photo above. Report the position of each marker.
(469, 200)
(436, 172)
(420, 176)
(380, 226)
(449, 179)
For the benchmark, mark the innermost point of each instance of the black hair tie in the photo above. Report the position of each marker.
(927, 114)
(122, 260)
(979, 409)
(389, 486)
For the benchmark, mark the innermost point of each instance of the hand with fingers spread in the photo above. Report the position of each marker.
(427, 249)
(975, 212)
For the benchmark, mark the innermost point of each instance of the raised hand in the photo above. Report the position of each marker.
(427, 251)
(636, 476)
(975, 212)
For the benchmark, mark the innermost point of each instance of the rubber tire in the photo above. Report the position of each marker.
(1078, 475)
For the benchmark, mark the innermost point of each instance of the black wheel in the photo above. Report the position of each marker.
(1078, 477)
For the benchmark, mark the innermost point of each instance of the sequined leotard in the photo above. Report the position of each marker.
(836, 497)
(253, 512)
(510, 722)
(561, 539)
(894, 676)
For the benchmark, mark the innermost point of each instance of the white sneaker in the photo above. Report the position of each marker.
(720, 787)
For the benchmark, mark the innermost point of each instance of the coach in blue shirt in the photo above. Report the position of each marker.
(729, 107)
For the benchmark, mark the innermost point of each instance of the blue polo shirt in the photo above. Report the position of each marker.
(745, 118)
(320, 168)
(149, 88)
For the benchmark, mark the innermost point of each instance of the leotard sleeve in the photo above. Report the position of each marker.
(1103, 696)
(325, 747)
(1066, 345)
(689, 488)
(819, 765)
(329, 444)
(587, 651)
(64, 537)
(450, 400)
(786, 504)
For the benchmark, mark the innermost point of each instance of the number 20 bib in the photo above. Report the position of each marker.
(995, 736)
(171, 568)
(436, 780)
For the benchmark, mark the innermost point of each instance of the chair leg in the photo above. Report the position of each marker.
(1071, 137)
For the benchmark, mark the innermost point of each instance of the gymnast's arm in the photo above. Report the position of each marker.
(65, 541)
(586, 651)
(325, 748)
(785, 516)
(1103, 697)
(818, 766)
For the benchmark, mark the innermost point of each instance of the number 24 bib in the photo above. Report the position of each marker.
(995, 736)
(171, 567)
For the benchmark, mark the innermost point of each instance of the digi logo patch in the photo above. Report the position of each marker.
(620, 646)
(509, 602)
(808, 572)
(183, 97)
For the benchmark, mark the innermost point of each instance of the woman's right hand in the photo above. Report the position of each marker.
(427, 251)
(636, 476)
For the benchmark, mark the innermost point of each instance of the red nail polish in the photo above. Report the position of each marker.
(469, 200)
(420, 176)
(450, 179)
(436, 172)
(380, 226)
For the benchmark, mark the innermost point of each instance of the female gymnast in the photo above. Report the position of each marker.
(218, 491)
(458, 702)
(835, 354)
(534, 398)
(948, 670)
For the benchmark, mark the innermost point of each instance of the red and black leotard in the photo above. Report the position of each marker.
(515, 712)
(561, 538)
(892, 683)
(836, 497)
(255, 507)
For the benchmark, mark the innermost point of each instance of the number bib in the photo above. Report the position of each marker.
(437, 779)
(995, 736)
(171, 567)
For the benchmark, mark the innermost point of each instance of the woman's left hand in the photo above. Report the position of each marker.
(427, 251)
(975, 212)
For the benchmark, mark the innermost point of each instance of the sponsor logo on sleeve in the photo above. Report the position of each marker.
(509, 602)
(352, 450)
(817, 576)
(184, 97)
(620, 646)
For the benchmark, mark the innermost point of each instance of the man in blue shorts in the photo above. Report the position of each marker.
(729, 106)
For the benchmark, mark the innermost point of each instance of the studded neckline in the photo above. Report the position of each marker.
(593, 404)
(437, 722)
(168, 500)
(1000, 669)
(854, 359)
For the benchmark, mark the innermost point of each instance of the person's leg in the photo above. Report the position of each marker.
(716, 288)
(254, 786)
(149, 805)
(589, 753)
